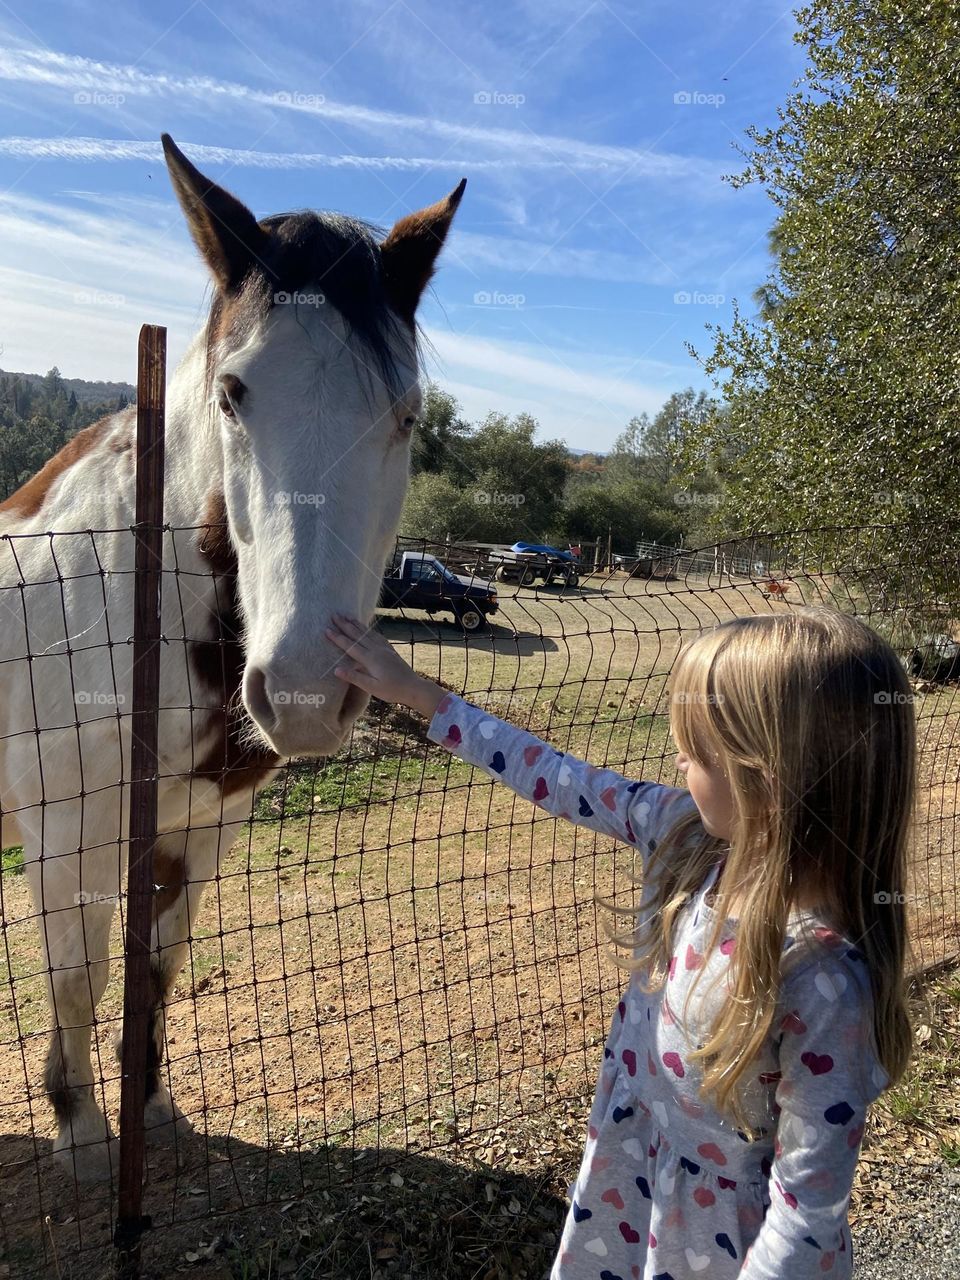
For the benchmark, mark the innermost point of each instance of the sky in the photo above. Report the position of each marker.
(595, 240)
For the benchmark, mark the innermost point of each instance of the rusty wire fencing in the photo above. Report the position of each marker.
(392, 953)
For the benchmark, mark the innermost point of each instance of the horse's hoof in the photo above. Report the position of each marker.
(164, 1124)
(90, 1162)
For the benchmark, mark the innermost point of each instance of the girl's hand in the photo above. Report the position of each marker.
(371, 663)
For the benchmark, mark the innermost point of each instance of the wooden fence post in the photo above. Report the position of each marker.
(144, 726)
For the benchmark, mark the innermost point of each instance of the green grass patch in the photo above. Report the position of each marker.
(11, 860)
(308, 788)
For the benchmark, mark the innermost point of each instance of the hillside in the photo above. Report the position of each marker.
(86, 392)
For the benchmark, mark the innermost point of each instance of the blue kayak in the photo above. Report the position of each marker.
(535, 548)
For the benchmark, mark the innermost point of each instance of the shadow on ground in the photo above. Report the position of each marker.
(494, 636)
(235, 1210)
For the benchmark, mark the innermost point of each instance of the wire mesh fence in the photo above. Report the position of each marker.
(385, 952)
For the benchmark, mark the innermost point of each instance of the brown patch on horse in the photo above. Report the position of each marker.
(169, 875)
(409, 253)
(230, 320)
(61, 1098)
(218, 666)
(121, 443)
(30, 497)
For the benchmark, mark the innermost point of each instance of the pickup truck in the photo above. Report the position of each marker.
(415, 580)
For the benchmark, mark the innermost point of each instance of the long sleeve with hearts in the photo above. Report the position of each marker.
(829, 1075)
(560, 784)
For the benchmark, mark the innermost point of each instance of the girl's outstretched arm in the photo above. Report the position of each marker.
(829, 1075)
(561, 784)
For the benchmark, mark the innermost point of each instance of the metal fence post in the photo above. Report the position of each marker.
(137, 998)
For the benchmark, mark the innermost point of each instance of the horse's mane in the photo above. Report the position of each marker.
(337, 255)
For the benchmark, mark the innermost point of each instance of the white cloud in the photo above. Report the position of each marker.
(50, 69)
(570, 394)
(89, 150)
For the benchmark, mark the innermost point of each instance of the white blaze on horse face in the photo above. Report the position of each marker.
(316, 465)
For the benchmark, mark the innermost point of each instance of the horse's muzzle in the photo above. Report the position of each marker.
(298, 721)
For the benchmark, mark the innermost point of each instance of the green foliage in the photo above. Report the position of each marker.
(11, 860)
(632, 510)
(37, 418)
(309, 787)
(439, 434)
(435, 506)
(495, 482)
(638, 495)
(843, 396)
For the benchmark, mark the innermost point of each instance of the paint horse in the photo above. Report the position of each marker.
(287, 460)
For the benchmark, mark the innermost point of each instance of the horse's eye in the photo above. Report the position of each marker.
(408, 423)
(230, 394)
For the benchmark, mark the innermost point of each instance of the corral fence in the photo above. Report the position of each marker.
(398, 959)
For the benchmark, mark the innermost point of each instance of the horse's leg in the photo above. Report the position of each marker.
(184, 864)
(76, 894)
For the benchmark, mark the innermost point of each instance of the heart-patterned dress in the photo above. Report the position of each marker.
(669, 1188)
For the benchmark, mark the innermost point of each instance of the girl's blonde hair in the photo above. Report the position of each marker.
(810, 715)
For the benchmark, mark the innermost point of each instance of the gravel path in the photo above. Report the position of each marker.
(920, 1240)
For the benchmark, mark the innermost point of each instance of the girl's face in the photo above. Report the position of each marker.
(710, 789)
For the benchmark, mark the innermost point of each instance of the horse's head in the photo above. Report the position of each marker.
(312, 375)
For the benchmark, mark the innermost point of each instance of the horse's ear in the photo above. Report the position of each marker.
(410, 251)
(223, 229)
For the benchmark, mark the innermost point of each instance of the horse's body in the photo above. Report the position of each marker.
(287, 448)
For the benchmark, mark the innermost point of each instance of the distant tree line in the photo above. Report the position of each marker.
(38, 415)
(496, 481)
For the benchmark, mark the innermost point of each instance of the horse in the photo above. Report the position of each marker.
(288, 432)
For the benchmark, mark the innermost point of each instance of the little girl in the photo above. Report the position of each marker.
(766, 1007)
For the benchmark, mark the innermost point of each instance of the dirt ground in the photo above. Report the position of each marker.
(402, 957)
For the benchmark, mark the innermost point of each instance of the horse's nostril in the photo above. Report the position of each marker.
(256, 698)
(353, 703)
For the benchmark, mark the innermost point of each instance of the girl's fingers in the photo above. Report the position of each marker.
(346, 640)
(356, 675)
(350, 626)
(339, 638)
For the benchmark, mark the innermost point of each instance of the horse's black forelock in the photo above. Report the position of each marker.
(329, 253)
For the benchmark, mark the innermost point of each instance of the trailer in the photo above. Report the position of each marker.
(526, 562)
